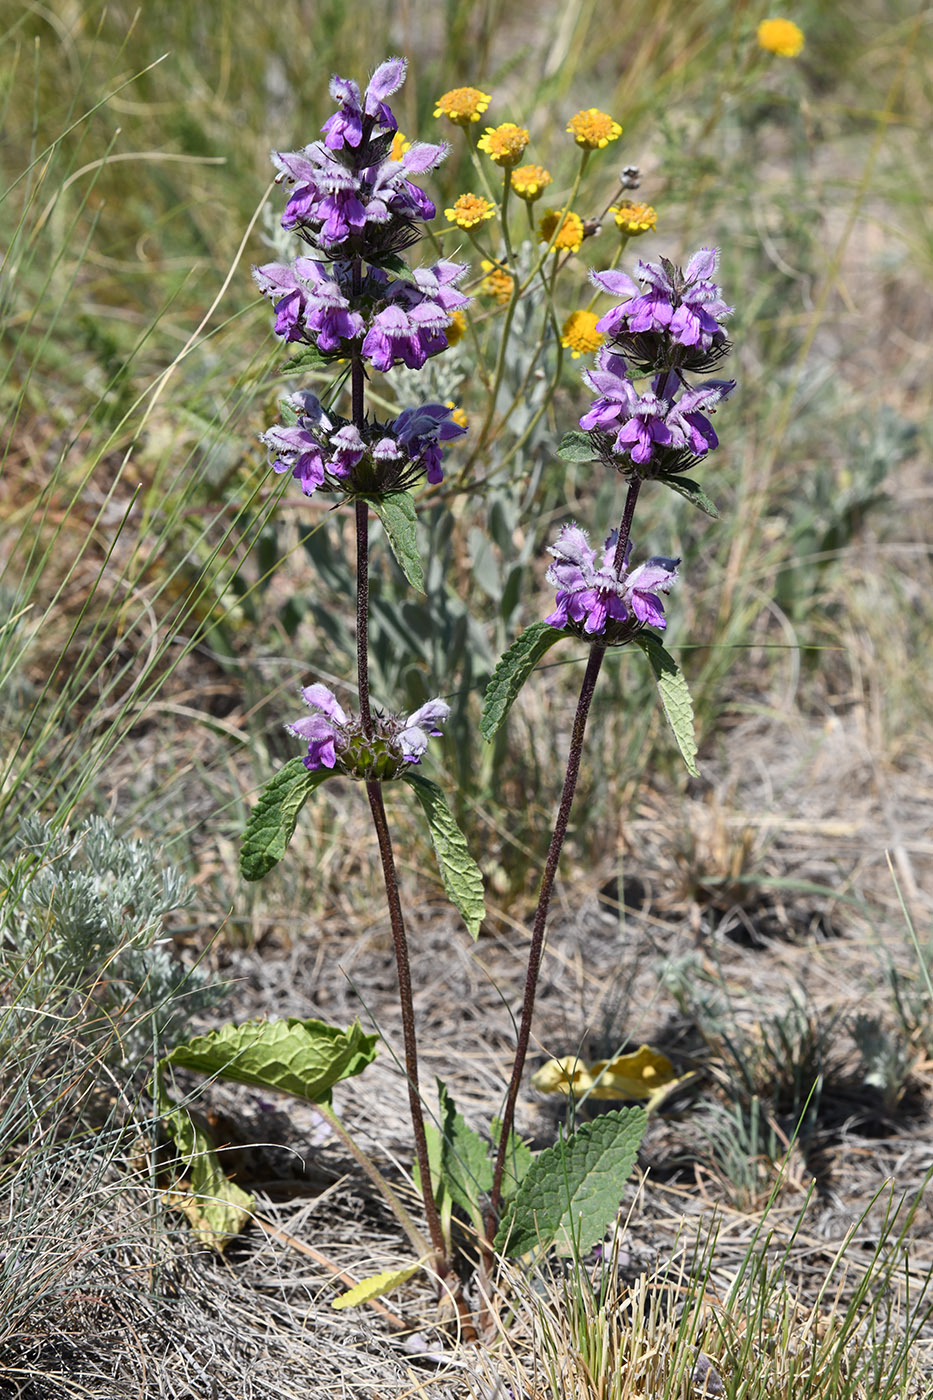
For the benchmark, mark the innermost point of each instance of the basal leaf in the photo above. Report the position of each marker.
(272, 821)
(675, 697)
(303, 1058)
(576, 447)
(513, 669)
(572, 1191)
(375, 1287)
(216, 1208)
(460, 874)
(692, 490)
(466, 1171)
(397, 513)
(518, 1158)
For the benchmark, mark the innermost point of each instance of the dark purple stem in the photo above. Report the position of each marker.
(536, 950)
(374, 793)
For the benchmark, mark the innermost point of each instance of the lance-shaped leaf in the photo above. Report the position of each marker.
(577, 447)
(465, 1168)
(675, 697)
(460, 875)
(397, 513)
(512, 671)
(572, 1191)
(690, 489)
(217, 1209)
(376, 1286)
(272, 821)
(303, 1058)
(307, 358)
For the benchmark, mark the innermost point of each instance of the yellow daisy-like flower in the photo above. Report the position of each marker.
(633, 219)
(462, 105)
(455, 331)
(504, 144)
(593, 129)
(780, 36)
(457, 414)
(530, 181)
(580, 335)
(470, 210)
(400, 144)
(569, 231)
(497, 283)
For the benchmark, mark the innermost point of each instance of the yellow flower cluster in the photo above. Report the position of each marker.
(462, 105)
(530, 181)
(780, 36)
(633, 219)
(568, 227)
(455, 332)
(457, 414)
(400, 144)
(580, 335)
(593, 129)
(469, 210)
(497, 283)
(505, 144)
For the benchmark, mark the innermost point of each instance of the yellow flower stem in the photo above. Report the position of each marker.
(504, 213)
(480, 165)
(564, 210)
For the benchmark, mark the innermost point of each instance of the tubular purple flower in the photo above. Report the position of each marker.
(686, 418)
(345, 127)
(422, 430)
(420, 727)
(294, 449)
(683, 305)
(638, 420)
(601, 600)
(388, 78)
(322, 728)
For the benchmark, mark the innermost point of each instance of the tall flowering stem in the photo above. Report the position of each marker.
(356, 208)
(670, 329)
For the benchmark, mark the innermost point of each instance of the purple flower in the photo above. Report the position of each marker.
(410, 328)
(595, 596)
(683, 305)
(322, 728)
(686, 418)
(345, 127)
(337, 740)
(638, 420)
(421, 430)
(420, 727)
(293, 449)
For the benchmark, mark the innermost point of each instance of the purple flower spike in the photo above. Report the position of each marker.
(600, 600)
(680, 307)
(420, 727)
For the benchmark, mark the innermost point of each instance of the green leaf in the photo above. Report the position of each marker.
(376, 1286)
(308, 358)
(571, 1192)
(518, 1158)
(675, 697)
(577, 447)
(216, 1207)
(397, 513)
(513, 669)
(303, 1058)
(692, 490)
(460, 874)
(465, 1168)
(272, 821)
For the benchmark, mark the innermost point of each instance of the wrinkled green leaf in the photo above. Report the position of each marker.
(692, 491)
(303, 1058)
(307, 358)
(512, 671)
(217, 1209)
(400, 522)
(376, 1286)
(675, 697)
(571, 1192)
(272, 821)
(459, 872)
(576, 447)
